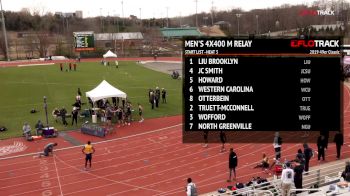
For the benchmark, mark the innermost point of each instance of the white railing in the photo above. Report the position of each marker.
(320, 177)
(302, 190)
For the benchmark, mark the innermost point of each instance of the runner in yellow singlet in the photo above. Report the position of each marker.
(88, 150)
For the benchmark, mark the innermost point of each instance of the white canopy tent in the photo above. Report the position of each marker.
(104, 90)
(109, 54)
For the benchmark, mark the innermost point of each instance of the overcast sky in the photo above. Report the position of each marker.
(149, 8)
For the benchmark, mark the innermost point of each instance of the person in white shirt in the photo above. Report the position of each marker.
(277, 146)
(287, 179)
(191, 188)
(27, 131)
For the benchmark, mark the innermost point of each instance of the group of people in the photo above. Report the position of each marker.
(294, 169)
(222, 138)
(70, 66)
(155, 96)
(122, 112)
(39, 131)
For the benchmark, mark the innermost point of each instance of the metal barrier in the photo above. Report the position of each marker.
(257, 192)
(320, 177)
(295, 190)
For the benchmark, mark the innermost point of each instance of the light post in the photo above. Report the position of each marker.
(4, 32)
(196, 13)
(140, 18)
(257, 24)
(45, 106)
(238, 16)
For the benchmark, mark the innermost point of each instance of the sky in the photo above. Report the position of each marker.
(149, 8)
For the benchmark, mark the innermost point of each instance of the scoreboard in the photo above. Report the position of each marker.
(262, 84)
(84, 41)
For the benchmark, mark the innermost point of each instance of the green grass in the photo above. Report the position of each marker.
(23, 88)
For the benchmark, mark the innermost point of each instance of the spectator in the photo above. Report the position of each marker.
(48, 148)
(326, 138)
(75, 116)
(78, 100)
(346, 173)
(128, 113)
(300, 157)
(163, 95)
(157, 96)
(287, 179)
(79, 92)
(152, 99)
(232, 164)
(308, 153)
(114, 101)
(39, 127)
(191, 188)
(63, 113)
(321, 145)
(298, 175)
(120, 116)
(277, 142)
(339, 141)
(27, 131)
(140, 112)
(56, 113)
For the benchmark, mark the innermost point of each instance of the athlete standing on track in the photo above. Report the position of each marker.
(223, 140)
(88, 150)
(205, 136)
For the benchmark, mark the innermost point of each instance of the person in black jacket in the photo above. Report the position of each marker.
(339, 141)
(232, 164)
(346, 173)
(326, 137)
(63, 113)
(321, 145)
(308, 155)
(298, 175)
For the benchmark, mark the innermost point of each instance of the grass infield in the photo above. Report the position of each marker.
(23, 89)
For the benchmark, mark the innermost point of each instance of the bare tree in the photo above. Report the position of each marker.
(30, 42)
(42, 43)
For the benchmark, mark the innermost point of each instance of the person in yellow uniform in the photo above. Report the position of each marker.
(88, 150)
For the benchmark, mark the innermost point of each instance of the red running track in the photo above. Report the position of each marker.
(150, 162)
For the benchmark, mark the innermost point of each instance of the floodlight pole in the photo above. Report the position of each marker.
(238, 16)
(140, 18)
(45, 106)
(257, 24)
(196, 14)
(123, 14)
(167, 17)
(4, 32)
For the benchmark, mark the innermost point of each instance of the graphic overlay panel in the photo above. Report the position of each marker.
(264, 85)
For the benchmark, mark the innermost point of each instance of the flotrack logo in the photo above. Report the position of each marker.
(314, 43)
(317, 12)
